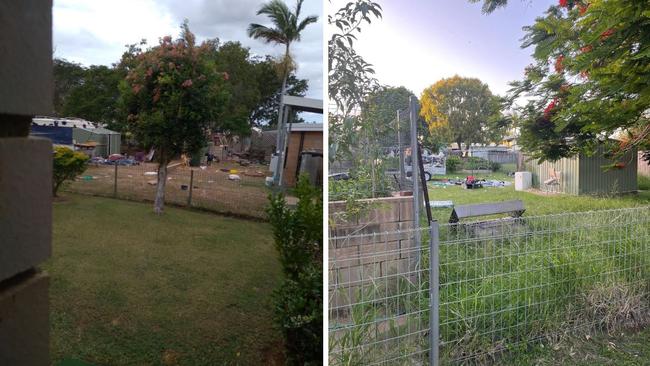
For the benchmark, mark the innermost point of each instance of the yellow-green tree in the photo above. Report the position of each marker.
(461, 110)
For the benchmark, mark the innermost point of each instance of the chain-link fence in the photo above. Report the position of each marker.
(490, 286)
(224, 188)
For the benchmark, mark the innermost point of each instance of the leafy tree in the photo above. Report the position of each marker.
(298, 235)
(589, 79)
(270, 85)
(95, 98)
(67, 164)
(235, 61)
(172, 94)
(67, 76)
(460, 109)
(350, 77)
(287, 28)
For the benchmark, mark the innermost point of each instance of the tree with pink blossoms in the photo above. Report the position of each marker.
(172, 94)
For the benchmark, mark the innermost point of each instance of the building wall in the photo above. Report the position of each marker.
(594, 180)
(585, 174)
(311, 140)
(568, 169)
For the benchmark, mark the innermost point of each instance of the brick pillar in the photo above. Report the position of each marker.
(25, 181)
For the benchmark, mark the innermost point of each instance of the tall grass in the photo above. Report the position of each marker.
(506, 284)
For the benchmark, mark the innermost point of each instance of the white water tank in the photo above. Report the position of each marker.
(523, 181)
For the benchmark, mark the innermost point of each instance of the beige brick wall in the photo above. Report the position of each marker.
(381, 251)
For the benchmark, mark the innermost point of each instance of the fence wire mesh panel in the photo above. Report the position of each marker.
(212, 187)
(503, 284)
(375, 154)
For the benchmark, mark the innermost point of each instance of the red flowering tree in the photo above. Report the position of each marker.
(590, 78)
(172, 94)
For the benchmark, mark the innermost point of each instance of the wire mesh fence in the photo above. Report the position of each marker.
(502, 284)
(223, 188)
(374, 150)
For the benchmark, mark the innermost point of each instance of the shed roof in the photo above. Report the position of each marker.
(306, 127)
(303, 104)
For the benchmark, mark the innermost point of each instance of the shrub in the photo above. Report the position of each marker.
(453, 163)
(476, 163)
(298, 235)
(494, 166)
(67, 164)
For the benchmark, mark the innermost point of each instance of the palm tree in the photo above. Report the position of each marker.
(286, 29)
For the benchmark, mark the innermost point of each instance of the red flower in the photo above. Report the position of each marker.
(559, 67)
(619, 165)
(606, 34)
(550, 107)
(583, 8)
(187, 83)
(586, 49)
(564, 3)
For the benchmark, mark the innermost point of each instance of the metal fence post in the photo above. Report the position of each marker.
(415, 176)
(189, 197)
(434, 293)
(115, 181)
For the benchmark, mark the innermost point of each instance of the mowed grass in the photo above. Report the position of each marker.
(185, 288)
(535, 203)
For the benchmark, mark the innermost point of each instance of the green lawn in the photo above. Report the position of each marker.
(132, 288)
(535, 204)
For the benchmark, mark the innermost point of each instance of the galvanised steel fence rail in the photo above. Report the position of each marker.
(489, 288)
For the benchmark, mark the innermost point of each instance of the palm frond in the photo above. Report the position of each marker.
(268, 35)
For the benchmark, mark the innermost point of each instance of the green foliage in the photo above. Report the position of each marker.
(350, 77)
(270, 87)
(95, 99)
(298, 235)
(453, 163)
(476, 163)
(67, 76)
(589, 79)
(67, 164)
(172, 94)
(463, 110)
(286, 29)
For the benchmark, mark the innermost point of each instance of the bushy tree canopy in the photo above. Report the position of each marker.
(173, 93)
(462, 110)
(589, 81)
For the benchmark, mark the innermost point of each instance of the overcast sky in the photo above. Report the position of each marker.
(419, 42)
(94, 32)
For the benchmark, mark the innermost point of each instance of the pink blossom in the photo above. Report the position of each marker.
(187, 83)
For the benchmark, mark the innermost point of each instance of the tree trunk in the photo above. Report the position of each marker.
(159, 202)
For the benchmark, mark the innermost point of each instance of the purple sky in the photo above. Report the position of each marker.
(419, 42)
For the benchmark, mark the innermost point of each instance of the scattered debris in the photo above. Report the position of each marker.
(254, 174)
(150, 173)
(234, 177)
(152, 182)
